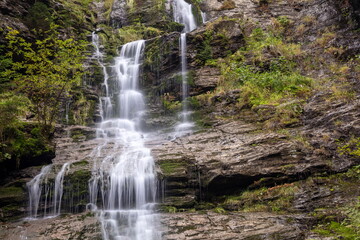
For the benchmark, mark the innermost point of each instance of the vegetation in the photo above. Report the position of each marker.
(265, 71)
(275, 199)
(45, 71)
(24, 145)
(351, 147)
(11, 107)
(348, 229)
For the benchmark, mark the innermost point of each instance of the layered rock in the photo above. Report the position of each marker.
(232, 226)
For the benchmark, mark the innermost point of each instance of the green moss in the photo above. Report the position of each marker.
(351, 147)
(24, 144)
(171, 106)
(9, 192)
(219, 210)
(81, 163)
(335, 229)
(204, 206)
(170, 167)
(276, 199)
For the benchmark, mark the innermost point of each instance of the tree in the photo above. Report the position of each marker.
(45, 71)
(11, 107)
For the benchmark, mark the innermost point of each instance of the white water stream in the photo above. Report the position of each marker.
(183, 14)
(40, 192)
(123, 185)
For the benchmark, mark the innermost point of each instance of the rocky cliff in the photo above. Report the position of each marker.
(274, 86)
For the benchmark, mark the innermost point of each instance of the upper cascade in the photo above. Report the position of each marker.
(183, 14)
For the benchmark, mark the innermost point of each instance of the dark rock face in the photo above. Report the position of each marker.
(236, 153)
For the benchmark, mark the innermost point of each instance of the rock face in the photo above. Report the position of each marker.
(76, 226)
(232, 226)
(215, 167)
(230, 157)
(10, 11)
(119, 13)
(206, 79)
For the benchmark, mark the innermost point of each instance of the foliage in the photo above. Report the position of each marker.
(353, 219)
(74, 16)
(108, 6)
(205, 50)
(23, 144)
(5, 63)
(45, 71)
(171, 106)
(347, 224)
(267, 87)
(264, 70)
(11, 107)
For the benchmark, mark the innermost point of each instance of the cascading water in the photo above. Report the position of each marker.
(35, 187)
(183, 14)
(40, 191)
(59, 187)
(123, 184)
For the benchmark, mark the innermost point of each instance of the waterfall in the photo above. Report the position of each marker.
(40, 190)
(203, 17)
(123, 183)
(58, 189)
(183, 14)
(35, 187)
(105, 102)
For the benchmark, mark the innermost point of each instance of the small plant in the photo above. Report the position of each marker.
(228, 4)
(219, 210)
(325, 39)
(309, 19)
(170, 209)
(351, 147)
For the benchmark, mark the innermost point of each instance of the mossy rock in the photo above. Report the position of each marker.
(173, 167)
(12, 201)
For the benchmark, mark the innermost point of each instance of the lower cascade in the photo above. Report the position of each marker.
(45, 197)
(123, 184)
